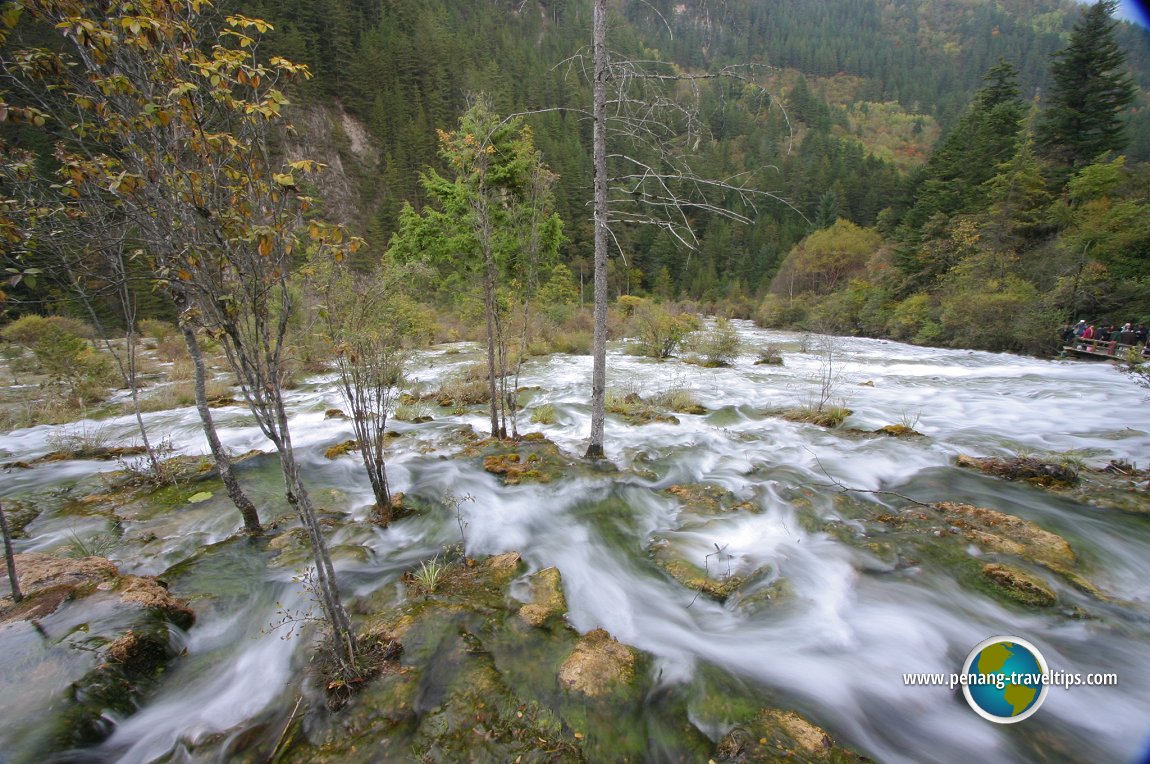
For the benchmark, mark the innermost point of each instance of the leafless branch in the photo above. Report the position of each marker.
(848, 489)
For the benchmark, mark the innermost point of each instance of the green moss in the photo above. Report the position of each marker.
(339, 449)
(898, 431)
(533, 459)
(824, 416)
(1019, 585)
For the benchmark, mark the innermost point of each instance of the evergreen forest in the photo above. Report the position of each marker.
(573, 380)
(921, 141)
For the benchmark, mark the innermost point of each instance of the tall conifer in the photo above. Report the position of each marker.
(1091, 89)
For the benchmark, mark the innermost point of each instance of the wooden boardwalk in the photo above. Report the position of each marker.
(1101, 350)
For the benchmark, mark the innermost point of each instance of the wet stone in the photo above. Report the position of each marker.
(598, 665)
(1017, 584)
(547, 600)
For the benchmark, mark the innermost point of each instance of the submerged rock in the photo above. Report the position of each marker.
(777, 735)
(104, 640)
(1019, 585)
(672, 561)
(1007, 534)
(707, 499)
(1024, 468)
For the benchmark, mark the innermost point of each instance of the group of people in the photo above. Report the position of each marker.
(1085, 336)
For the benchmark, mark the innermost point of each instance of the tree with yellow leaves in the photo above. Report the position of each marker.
(167, 122)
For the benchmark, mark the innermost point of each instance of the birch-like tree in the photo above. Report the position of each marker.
(171, 122)
(371, 324)
(646, 136)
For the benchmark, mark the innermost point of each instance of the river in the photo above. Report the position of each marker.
(838, 650)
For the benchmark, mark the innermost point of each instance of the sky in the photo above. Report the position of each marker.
(1137, 11)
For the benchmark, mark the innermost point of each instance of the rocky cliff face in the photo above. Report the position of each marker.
(328, 134)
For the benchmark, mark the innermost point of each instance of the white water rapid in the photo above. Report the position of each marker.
(837, 649)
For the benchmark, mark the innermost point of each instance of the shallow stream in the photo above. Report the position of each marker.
(836, 650)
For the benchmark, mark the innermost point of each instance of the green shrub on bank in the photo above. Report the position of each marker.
(81, 373)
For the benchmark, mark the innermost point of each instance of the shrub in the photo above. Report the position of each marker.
(415, 411)
(158, 330)
(778, 311)
(770, 356)
(63, 356)
(913, 318)
(660, 332)
(544, 414)
(719, 346)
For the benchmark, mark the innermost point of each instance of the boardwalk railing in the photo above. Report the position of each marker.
(1102, 348)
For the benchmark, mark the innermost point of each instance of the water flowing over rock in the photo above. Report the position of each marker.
(746, 588)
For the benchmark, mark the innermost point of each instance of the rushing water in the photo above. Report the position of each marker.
(837, 650)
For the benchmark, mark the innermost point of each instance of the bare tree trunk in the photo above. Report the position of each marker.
(342, 636)
(10, 558)
(599, 156)
(489, 307)
(247, 510)
(129, 366)
(377, 472)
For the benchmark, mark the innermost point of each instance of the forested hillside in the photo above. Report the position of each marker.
(860, 98)
(868, 88)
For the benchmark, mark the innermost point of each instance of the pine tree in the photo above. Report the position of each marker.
(985, 136)
(1091, 89)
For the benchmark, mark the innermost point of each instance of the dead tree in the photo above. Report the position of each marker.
(644, 142)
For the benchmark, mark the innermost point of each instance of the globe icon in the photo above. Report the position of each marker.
(1003, 679)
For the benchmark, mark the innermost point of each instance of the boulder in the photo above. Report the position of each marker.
(598, 665)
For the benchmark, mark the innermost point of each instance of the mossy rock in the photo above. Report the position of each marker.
(119, 642)
(598, 665)
(334, 414)
(477, 682)
(898, 431)
(919, 537)
(1024, 469)
(776, 594)
(19, 514)
(708, 499)
(1117, 486)
(547, 601)
(668, 559)
(1007, 534)
(830, 417)
(1019, 585)
(222, 402)
(780, 735)
(531, 459)
(339, 449)
(633, 410)
(399, 508)
(758, 728)
(98, 453)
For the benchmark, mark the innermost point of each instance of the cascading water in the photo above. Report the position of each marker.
(852, 624)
